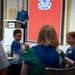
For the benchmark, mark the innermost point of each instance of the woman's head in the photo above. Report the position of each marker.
(17, 34)
(47, 36)
(70, 38)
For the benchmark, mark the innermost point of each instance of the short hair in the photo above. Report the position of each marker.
(47, 36)
(72, 34)
(16, 31)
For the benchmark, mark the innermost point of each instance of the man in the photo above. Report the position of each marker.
(22, 16)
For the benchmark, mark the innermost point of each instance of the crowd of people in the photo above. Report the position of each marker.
(45, 54)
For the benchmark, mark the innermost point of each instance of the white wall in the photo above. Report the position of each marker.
(11, 7)
(72, 16)
(17, 3)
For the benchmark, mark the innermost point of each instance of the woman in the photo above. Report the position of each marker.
(70, 53)
(43, 55)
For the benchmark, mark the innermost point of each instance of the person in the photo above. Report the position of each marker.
(3, 61)
(26, 47)
(43, 55)
(70, 53)
(22, 17)
(61, 57)
(16, 46)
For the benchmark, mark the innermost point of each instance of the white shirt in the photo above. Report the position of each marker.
(3, 60)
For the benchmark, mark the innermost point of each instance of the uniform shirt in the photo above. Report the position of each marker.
(3, 60)
(70, 53)
(48, 56)
(22, 16)
(40, 57)
(17, 49)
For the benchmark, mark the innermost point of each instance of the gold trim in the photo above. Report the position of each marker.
(12, 13)
(4, 13)
(68, 16)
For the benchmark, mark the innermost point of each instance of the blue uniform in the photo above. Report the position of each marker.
(39, 57)
(48, 56)
(16, 48)
(70, 53)
(22, 16)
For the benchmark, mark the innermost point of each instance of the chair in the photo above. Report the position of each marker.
(63, 71)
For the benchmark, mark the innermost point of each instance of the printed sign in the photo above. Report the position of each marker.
(43, 12)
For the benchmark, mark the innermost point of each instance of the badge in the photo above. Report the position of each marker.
(44, 4)
(70, 51)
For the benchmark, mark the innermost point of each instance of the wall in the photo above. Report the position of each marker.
(13, 7)
(72, 16)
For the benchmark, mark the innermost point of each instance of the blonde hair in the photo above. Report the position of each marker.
(47, 36)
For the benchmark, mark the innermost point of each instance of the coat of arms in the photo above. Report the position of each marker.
(44, 4)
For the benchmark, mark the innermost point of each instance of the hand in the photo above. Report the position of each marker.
(71, 62)
(26, 46)
(23, 22)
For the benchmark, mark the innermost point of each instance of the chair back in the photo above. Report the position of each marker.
(63, 71)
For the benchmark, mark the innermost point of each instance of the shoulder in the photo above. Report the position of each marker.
(25, 11)
(73, 48)
(14, 43)
(59, 51)
(32, 49)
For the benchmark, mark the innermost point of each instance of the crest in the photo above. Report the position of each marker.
(44, 4)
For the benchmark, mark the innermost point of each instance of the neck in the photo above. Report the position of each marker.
(21, 10)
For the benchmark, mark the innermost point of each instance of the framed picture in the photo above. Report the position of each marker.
(42, 12)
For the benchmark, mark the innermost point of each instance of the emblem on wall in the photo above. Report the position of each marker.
(44, 4)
